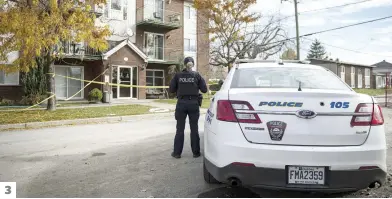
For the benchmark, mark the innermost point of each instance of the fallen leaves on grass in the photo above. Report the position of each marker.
(15, 117)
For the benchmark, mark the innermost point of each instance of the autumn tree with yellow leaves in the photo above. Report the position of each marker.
(227, 20)
(36, 27)
(237, 33)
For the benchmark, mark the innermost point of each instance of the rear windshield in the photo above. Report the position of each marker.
(274, 77)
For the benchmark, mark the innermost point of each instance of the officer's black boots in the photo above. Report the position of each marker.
(196, 155)
(175, 156)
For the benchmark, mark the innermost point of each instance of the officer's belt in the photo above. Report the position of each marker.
(188, 97)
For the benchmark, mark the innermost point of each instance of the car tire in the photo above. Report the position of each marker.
(208, 177)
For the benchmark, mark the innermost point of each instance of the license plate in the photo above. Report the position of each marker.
(306, 175)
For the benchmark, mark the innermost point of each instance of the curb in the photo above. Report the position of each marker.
(113, 119)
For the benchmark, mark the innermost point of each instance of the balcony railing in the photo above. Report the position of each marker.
(163, 55)
(68, 48)
(99, 10)
(151, 16)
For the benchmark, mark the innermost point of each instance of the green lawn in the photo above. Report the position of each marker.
(14, 117)
(206, 102)
(371, 92)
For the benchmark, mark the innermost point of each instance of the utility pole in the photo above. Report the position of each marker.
(297, 28)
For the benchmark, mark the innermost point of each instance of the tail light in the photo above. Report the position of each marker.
(226, 112)
(374, 117)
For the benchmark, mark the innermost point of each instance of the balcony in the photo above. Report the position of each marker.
(78, 50)
(161, 55)
(98, 10)
(150, 17)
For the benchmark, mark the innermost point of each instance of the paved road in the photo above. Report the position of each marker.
(129, 159)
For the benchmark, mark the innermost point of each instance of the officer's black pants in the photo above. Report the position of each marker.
(191, 108)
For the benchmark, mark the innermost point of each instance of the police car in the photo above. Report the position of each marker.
(293, 125)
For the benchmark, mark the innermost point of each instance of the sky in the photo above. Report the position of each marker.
(372, 42)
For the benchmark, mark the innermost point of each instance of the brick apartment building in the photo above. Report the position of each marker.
(148, 37)
(355, 75)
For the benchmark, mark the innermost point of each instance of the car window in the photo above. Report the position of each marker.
(284, 77)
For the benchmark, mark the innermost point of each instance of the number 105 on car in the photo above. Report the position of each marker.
(306, 175)
(7, 190)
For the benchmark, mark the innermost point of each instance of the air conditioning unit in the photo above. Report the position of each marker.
(175, 18)
(157, 15)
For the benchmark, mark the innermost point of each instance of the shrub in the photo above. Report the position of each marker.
(215, 87)
(32, 99)
(6, 102)
(213, 81)
(95, 95)
(34, 81)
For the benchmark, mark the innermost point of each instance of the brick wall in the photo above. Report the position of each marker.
(11, 92)
(174, 39)
(133, 60)
(14, 92)
(203, 45)
(91, 70)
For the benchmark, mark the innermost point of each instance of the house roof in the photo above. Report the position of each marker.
(383, 67)
(122, 44)
(342, 62)
(383, 64)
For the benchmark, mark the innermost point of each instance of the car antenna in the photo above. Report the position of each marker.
(299, 88)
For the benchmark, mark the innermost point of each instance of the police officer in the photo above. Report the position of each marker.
(186, 85)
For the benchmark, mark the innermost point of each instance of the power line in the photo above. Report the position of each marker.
(326, 8)
(338, 6)
(332, 29)
(349, 49)
(342, 27)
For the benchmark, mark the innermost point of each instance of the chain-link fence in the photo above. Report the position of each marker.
(385, 100)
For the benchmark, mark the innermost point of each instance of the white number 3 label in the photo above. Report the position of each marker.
(8, 190)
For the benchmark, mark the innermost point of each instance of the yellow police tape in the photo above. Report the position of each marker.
(39, 102)
(89, 82)
(85, 86)
(111, 84)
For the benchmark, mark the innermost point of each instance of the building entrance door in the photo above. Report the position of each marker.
(127, 77)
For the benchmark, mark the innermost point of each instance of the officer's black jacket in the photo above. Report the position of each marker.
(187, 83)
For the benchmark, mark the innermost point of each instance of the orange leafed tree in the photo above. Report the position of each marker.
(36, 27)
(228, 20)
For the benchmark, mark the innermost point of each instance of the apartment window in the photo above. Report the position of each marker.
(187, 44)
(155, 78)
(153, 45)
(343, 73)
(116, 5)
(367, 78)
(125, 10)
(9, 78)
(154, 10)
(187, 12)
(192, 14)
(190, 45)
(353, 77)
(66, 87)
(359, 78)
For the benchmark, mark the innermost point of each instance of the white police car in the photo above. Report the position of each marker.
(292, 125)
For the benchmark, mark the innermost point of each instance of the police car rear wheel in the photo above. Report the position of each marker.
(208, 177)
